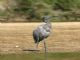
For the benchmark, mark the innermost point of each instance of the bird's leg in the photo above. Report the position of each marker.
(37, 45)
(45, 49)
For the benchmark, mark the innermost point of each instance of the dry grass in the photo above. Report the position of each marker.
(17, 36)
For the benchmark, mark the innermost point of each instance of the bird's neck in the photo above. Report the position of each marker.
(49, 24)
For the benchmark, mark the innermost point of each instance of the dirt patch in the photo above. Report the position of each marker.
(14, 37)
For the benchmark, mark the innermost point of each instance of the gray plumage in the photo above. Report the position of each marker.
(42, 31)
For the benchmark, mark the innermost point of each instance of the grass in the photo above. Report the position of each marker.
(40, 56)
(65, 37)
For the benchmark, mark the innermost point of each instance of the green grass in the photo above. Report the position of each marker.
(40, 56)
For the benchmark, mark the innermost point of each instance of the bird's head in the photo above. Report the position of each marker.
(46, 19)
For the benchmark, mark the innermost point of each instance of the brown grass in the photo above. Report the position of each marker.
(14, 37)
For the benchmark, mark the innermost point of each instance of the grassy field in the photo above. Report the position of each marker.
(36, 56)
(15, 37)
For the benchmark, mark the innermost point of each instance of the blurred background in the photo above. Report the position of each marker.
(33, 10)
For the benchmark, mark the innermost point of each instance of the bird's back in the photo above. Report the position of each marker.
(41, 32)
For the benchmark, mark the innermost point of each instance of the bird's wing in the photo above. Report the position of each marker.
(43, 31)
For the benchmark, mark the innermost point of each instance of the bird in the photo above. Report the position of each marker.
(41, 32)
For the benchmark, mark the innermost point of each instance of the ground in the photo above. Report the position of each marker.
(37, 56)
(16, 37)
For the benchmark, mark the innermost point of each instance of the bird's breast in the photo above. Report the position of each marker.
(44, 32)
